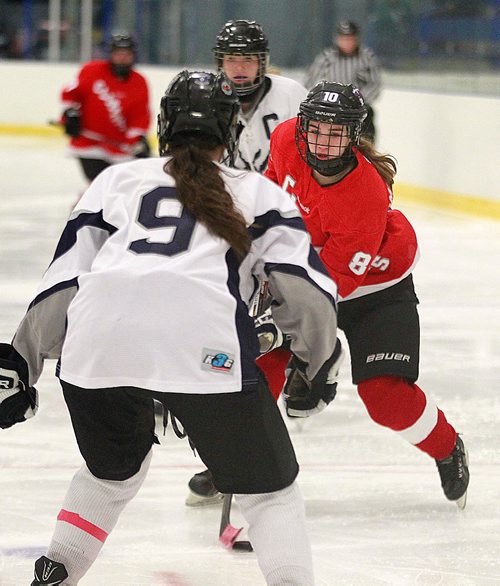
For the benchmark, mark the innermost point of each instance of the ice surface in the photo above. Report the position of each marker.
(376, 513)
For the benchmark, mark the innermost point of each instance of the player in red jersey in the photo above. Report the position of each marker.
(343, 188)
(107, 110)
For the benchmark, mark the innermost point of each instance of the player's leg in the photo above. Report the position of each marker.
(243, 440)
(384, 338)
(92, 167)
(114, 429)
(202, 491)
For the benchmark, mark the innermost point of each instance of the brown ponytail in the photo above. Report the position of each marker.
(385, 164)
(201, 189)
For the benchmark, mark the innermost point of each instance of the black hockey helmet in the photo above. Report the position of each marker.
(199, 102)
(243, 37)
(347, 27)
(333, 103)
(122, 41)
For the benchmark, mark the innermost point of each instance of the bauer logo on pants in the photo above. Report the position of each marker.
(387, 356)
(217, 360)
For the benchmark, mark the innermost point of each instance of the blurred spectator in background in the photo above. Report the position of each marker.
(347, 61)
(107, 110)
(40, 48)
(459, 8)
(392, 32)
(9, 42)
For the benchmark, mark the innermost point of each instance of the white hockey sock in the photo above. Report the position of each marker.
(278, 535)
(90, 510)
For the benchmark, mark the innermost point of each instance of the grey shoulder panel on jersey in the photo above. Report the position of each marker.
(40, 334)
(308, 315)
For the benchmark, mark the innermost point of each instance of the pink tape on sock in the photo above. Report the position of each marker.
(77, 521)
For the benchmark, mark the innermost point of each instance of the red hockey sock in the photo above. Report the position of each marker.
(273, 366)
(440, 442)
(403, 407)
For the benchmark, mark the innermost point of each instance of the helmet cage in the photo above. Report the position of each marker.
(199, 102)
(331, 103)
(122, 41)
(243, 37)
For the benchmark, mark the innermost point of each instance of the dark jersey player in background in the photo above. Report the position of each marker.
(343, 188)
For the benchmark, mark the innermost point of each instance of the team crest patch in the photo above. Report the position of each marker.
(226, 88)
(218, 361)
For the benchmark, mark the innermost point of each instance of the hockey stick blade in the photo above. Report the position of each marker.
(242, 546)
(227, 533)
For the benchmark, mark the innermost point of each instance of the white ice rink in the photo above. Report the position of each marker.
(376, 513)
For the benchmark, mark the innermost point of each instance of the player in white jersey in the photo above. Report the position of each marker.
(241, 51)
(147, 299)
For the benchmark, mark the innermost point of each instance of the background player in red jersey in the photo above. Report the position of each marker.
(342, 187)
(107, 110)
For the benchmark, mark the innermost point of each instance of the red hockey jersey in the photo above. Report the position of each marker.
(115, 112)
(365, 245)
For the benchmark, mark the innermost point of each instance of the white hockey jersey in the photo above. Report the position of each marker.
(280, 101)
(141, 294)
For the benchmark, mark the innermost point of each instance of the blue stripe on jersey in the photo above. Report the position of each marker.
(274, 218)
(316, 263)
(249, 347)
(59, 287)
(68, 237)
(297, 271)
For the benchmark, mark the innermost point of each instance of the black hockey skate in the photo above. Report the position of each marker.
(202, 491)
(48, 572)
(454, 473)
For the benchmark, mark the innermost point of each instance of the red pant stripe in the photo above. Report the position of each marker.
(77, 521)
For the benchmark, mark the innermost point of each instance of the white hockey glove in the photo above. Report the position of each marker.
(269, 334)
(304, 398)
(18, 401)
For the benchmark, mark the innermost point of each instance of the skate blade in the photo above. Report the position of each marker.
(462, 501)
(195, 500)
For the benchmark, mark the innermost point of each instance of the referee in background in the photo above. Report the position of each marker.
(349, 62)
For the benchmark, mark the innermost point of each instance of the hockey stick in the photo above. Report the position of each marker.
(228, 533)
(91, 135)
(258, 302)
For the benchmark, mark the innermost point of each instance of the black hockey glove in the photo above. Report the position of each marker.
(18, 401)
(141, 148)
(72, 120)
(269, 334)
(304, 398)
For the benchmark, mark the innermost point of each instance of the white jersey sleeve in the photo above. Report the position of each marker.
(279, 103)
(42, 331)
(304, 294)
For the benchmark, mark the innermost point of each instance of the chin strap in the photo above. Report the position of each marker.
(332, 167)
